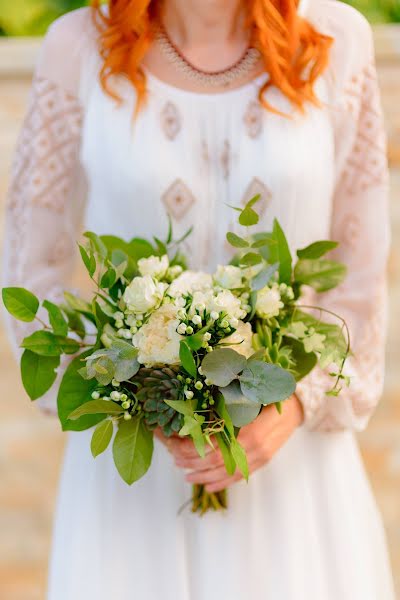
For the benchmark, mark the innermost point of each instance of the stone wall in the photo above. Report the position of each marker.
(31, 444)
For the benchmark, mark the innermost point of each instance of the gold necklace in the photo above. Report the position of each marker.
(222, 78)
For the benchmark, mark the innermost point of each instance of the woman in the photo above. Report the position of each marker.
(299, 122)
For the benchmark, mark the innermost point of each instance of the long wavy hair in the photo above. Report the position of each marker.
(294, 52)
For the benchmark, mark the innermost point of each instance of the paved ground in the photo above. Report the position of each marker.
(31, 445)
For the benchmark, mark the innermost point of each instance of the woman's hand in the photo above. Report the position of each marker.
(261, 440)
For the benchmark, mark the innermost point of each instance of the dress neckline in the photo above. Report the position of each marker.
(157, 84)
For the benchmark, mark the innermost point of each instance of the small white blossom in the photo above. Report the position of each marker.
(207, 336)
(189, 282)
(196, 319)
(127, 416)
(214, 315)
(115, 395)
(189, 330)
(158, 340)
(115, 383)
(154, 266)
(181, 328)
(189, 394)
(95, 395)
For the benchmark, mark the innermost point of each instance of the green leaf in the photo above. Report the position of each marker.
(265, 383)
(317, 249)
(132, 449)
(184, 407)
(97, 243)
(241, 410)
(222, 412)
(109, 278)
(192, 427)
(222, 366)
(230, 464)
(283, 255)
(248, 216)
(140, 248)
(240, 458)
(334, 338)
(236, 241)
(38, 373)
(46, 343)
(74, 392)
(80, 306)
(322, 275)
(88, 260)
(263, 277)
(20, 303)
(304, 362)
(96, 407)
(57, 320)
(187, 360)
(75, 322)
(250, 259)
(101, 437)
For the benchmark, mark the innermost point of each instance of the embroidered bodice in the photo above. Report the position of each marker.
(322, 174)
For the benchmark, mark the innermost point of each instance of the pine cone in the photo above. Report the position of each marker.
(155, 386)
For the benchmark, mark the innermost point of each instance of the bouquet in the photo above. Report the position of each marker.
(189, 353)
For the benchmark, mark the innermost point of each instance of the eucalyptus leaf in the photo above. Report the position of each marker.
(101, 437)
(304, 362)
(236, 241)
(263, 277)
(241, 410)
(38, 373)
(265, 383)
(20, 303)
(251, 259)
(132, 449)
(222, 366)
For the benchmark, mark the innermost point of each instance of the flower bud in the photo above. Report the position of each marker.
(127, 416)
(189, 394)
(198, 385)
(95, 395)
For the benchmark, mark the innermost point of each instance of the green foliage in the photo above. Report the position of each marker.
(74, 392)
(132, 449)
(378, 11)
(101, 437)
(222, 366)
(38, 373)
(20, 303)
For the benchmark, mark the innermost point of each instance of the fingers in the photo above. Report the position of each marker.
(210, 476)
(227, 481)
(212, 460)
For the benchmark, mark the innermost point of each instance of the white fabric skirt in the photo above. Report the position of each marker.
(306, 527)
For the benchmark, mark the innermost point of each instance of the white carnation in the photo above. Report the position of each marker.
(268, 302)
(154, 266)
(229, 277)
(189, 282)
(241, 340)
(225, 301)
(158, 340)
(143, 294)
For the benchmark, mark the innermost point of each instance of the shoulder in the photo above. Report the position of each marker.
(73, 29)
(67, 46)
(352, 51)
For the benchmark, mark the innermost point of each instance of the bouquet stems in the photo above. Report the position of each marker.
(203, 501)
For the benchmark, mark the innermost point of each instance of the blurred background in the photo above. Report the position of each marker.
(31, 444)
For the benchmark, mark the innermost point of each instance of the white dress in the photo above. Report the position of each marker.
(306, 527)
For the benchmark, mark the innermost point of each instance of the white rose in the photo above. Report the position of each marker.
(229, 277)
(268, 302)
(225, 301)
(154, 266)
(158, 340)
(143, 294)
(241, 340)
(189, 282)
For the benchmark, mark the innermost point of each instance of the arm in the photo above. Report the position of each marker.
(360, 224)
(46, 191)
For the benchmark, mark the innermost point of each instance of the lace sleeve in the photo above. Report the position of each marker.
(360, 223)
(46, 194)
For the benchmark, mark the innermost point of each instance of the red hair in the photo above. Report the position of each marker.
(294, 52)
